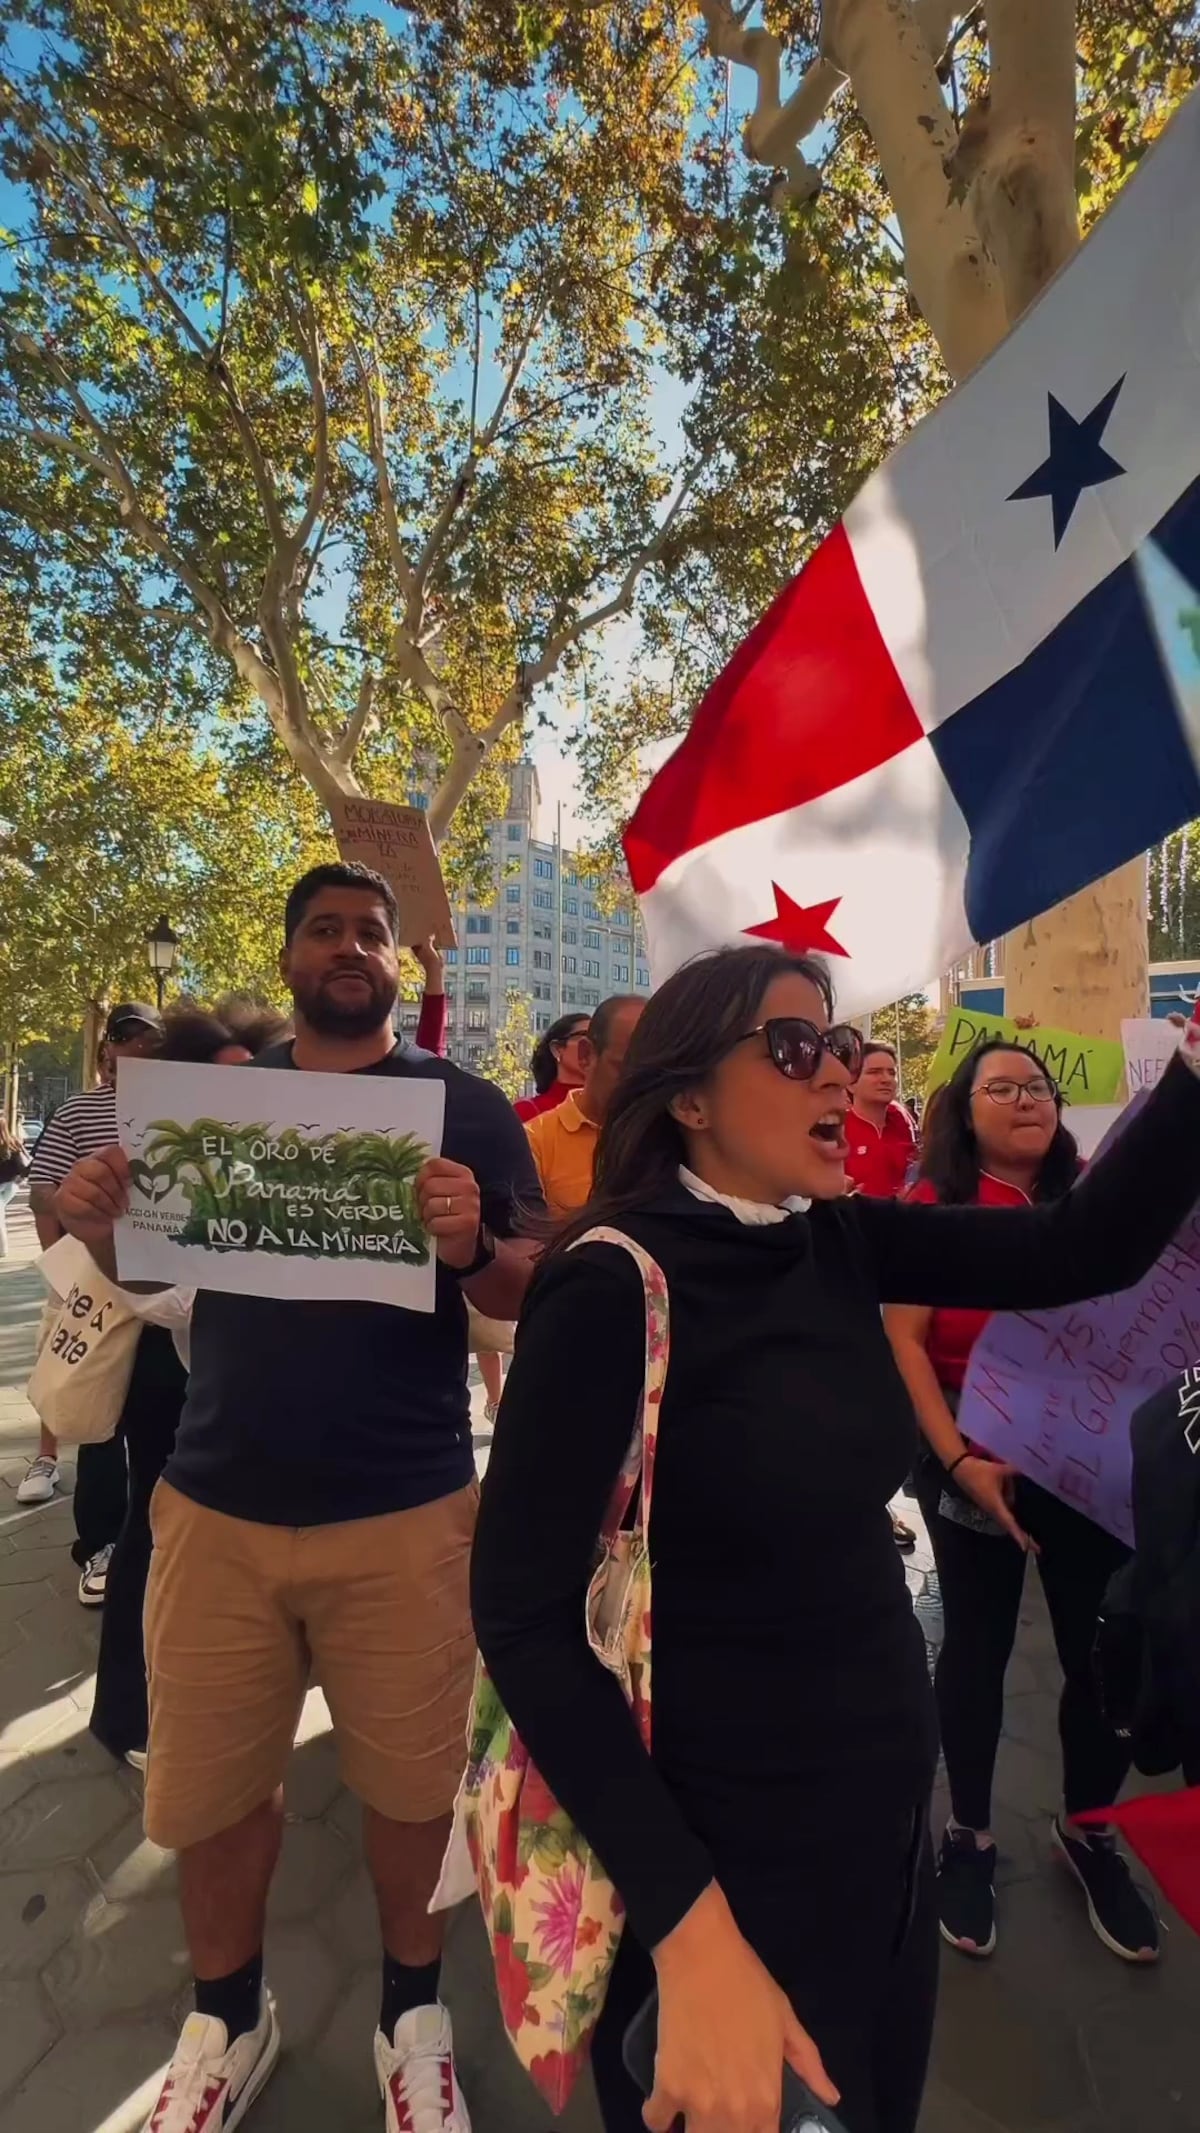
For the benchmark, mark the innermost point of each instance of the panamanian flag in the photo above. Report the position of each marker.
(980, 693)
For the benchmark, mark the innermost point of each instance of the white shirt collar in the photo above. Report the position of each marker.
(749, 1211)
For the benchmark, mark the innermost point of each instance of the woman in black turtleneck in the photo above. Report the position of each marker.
(773, 1853)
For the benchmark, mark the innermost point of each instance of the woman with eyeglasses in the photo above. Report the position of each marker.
(998, 1140)
(773, 1852)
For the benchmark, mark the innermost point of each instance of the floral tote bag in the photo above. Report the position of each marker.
(552, 1915)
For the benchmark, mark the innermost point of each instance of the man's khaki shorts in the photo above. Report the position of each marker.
(240, 1615)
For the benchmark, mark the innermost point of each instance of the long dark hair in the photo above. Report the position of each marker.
(689, 1026)
(544, 1065)
(950, 1156)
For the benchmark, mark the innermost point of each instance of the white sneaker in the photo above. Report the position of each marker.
(94, 1582)
(417, 2077)
(41, 1480)
(210, 2085)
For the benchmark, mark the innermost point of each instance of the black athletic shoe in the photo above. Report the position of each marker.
(1119, 1913)
(966, 1893)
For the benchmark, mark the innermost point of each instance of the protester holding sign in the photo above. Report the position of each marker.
(317, 1512)
(998, 1141)
(772, 1852)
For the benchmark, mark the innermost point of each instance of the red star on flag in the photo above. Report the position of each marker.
(804, 929)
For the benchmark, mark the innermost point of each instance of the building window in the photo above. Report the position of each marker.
(570, 964)
(589, 997)
(571, 906)
(541, 992)
(591, 969)
(451, 956)
(543, 900)
(479, 955)
(591, 910)
(571, 936)
(512, 957)
(542, 959)
(514, 832)
(591, 939)
(643, 976)
(571, 876)
(543, 1023)
(512, 895)
(544, 869)
(512, 925)
(479, 922)
(570, 996)
(477, 1018)
(621, 943)
(474, 1054)
(541, 932)
(477, 989)
(620, 973)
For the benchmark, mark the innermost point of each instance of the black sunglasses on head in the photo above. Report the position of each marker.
(796, 1045)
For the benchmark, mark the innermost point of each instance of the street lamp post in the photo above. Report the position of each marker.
(162, 947)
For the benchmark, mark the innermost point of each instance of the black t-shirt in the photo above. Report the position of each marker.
(304, 1414)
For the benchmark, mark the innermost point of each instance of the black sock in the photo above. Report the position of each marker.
(235, 2000)
(405, 1988)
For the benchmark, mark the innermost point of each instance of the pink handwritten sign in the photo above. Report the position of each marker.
(1054, 1392)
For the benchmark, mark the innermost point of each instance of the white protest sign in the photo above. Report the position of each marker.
(271, 1182)
(1150, 1045)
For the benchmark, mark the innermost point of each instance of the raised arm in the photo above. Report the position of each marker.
(562, 1434)
(1102, 1237)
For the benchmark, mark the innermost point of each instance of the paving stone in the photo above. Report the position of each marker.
(1032, 1719)
(1028, 1779)
(312, 1782)
(68, 1750)
(128, 1867)
(17, 1601)
(313, 1863)
(122, 1959)
(38, 1913)
(352, 1921)
(305, 1979)
(105, 2080)
(37, 1684)
(1143, 2060)
(62, 1819)
(944, 2111)
(28, 2029)
(1004, 2049)
(342, 2051)
(51, 1527)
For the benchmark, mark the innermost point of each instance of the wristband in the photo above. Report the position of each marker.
(956, 1463)
(485, 1252)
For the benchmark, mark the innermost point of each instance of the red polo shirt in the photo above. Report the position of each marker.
(878, 1161)
(953, 1334)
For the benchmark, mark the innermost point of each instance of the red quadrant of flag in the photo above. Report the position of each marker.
(808, 702)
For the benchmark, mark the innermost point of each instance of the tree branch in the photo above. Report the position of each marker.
(308, 340)
(402, 568)
(455, 498)
(471, 746)
(356, 724)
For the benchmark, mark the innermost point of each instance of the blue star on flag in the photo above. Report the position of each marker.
(1076, 460)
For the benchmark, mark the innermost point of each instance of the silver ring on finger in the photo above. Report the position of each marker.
(449, 1205)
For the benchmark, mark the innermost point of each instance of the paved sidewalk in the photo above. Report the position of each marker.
(1053, 2036)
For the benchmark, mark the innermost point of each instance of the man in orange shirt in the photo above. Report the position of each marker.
(564, 1140)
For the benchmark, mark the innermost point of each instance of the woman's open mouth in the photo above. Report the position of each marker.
(830, 1133)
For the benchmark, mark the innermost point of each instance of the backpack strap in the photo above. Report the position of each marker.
(638, 1465)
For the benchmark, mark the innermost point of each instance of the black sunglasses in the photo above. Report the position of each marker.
(796, 1045)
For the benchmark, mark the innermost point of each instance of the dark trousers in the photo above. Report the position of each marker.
(982, 1576)
(148, 1424)
(854, 1945)
(100, 1493)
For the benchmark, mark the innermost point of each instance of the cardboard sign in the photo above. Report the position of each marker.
(268, 1182)
(1149, 1046)
(396, 842)
(1087, 1069)
(1054, 1392)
